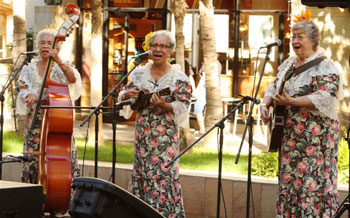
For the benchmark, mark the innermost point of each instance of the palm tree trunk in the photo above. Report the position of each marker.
(96, 67)
(179, 9)
(213, 96)
(19, 44)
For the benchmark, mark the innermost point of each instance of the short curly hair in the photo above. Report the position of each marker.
(311, 31)
(43, 32)
(167, 34)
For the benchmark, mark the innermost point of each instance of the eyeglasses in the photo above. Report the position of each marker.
(298, 37)
(160, 46)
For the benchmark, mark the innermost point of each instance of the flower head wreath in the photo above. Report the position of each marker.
(304, 15)
(145, 44)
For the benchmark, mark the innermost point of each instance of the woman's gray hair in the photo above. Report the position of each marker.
(311, 31)
(167, 34)
(43, 32)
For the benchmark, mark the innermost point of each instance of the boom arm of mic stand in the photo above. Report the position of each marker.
(110, 93)
(241, 103)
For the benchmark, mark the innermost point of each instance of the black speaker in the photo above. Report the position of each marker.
(326, 3)
(97, 198)
(20, 200)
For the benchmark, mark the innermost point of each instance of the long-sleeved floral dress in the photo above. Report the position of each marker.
(157, 141)
(308, 158)
(30, 81)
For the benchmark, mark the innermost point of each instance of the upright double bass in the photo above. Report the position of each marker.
(55, 162)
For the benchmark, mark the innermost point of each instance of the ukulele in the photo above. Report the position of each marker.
(144, 99)
(277, 118)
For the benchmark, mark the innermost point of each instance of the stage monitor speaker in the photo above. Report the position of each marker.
(97, 198)
(326, 3)
(20, 200)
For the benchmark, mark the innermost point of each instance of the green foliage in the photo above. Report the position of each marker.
(343, 160)
(12, 143)
(265, 164)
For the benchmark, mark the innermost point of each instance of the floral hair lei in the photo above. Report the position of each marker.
(304, 15)
(145, 44)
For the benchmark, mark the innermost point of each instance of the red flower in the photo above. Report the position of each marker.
(170, 151)
(310, 150)
(36, 139)
(323, 88)
(303, 204)
(154, 159)
(291, 144)
(162, 199)
(312, 186)
(285, 159)
(297, 183)
(317, 209)
(286, 177)
(304, 113)
(302, 167)
(316, 130)
(330, 141)
(326, 173)
(154, 143)
(161, 129)
(154, 194)
(299, 128)
(319, 161)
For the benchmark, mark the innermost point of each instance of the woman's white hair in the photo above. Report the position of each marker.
(167, 34)
(43, 32)
(311, 30)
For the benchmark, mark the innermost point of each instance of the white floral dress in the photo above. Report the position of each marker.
(308, 158)
(30, 81)
(157, 141)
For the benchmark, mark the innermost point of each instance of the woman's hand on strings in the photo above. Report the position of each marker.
(30, 100)
(157, 100)
(283, 99)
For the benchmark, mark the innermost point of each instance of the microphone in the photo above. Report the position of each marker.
(275, 43)
(248, 98)
(144, 55)
(126, 102)
(35, 52)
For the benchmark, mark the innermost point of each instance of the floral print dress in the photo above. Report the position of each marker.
(308, 157)
(30, 81)
(157, 141)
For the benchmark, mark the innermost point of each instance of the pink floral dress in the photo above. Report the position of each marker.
(308, 159)
(30, 81)
(157, 142)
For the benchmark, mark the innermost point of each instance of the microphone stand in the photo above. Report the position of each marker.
(2, 99)
(112, 92)
(221, 126)
(249, 125)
